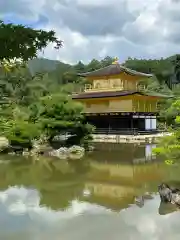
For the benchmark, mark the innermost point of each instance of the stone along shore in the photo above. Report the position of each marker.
(151, 138)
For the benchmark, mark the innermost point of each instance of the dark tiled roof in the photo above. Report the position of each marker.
(86, 95)
(113, 69)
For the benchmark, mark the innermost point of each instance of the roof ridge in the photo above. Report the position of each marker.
(113, 69)
(97, 69)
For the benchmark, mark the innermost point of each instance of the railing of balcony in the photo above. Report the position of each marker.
(90, 88)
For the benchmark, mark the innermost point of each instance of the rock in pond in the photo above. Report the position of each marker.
(140, 200)
(74, 152)
(168, 194)
(4, 143)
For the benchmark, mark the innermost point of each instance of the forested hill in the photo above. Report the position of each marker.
(61, 73)
(40, 65)
(155, 66)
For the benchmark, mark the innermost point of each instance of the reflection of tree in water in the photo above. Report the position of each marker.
(65, 185)
(58, 181)
(59, 196)
(80, 166)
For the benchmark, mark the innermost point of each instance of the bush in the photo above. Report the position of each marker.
(169, 146)
(52, 115)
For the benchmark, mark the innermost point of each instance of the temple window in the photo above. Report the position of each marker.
(97, 85)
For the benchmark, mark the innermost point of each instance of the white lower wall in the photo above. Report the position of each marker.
(153, 123)
(150, 123)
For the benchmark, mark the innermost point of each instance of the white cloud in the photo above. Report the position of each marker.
(97, 3)
(92, 29)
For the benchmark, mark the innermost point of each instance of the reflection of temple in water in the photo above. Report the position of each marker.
(114, 179)
(148, 154)
(129, 153)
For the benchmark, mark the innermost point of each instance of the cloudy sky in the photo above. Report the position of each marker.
(97, 28)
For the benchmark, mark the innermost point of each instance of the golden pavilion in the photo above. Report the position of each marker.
(115, 100)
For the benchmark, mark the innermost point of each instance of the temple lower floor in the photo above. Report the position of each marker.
(123, 122)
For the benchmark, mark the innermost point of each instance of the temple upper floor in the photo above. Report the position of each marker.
(116, 84)
(114, 77)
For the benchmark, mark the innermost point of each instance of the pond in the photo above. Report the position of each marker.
(91, 198)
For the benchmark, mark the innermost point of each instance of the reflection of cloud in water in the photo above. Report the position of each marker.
(22, 216)
(20, 201)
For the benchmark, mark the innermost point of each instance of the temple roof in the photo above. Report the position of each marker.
(113, 69)
(87, 95)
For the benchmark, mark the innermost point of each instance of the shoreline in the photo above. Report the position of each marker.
(151, 138)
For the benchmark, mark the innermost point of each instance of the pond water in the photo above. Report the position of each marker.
(91, 198)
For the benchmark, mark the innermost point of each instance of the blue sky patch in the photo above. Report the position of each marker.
(11, 18)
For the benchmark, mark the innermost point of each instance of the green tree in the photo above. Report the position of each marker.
(80, 67)
(18, 41)
(162, 68)
(16, 126)
(50, 111)
(176, 67)
(50, 116)
(20, 87)
(69, 77)
(107, 61)
(93, 65)
(169, 146)
(58, 114)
